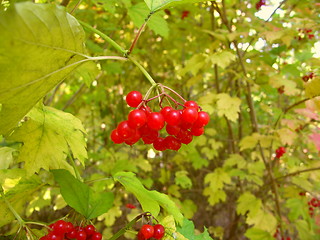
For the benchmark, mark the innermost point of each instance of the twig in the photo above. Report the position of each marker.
(298, 172)
(64, 3)
(74, 96)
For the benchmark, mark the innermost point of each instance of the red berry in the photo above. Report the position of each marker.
(60, 227)
(314, 202)
(146, 109)
(140, 236)
(203, 119)
(191, 104)
(172, 143)
(134, 98)
(197, 131)
(147, 231)
(158, 231)
(173, 117)
(190, 115)
(72, 234)
(135, 138)
(159, 144)
(164, 111)
(137, 118)
(125, 131)
(54, 236)
(172, 130)
(185, 137)
(89, 229)
(130, 206)
(96, 236)
(155, 121)
(81, 235)
(115, 137)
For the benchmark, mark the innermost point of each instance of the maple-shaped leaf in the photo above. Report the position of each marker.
(188, 230)
(247, 202)
(222, 59)
(40, 45)
(48, 136)
(228, 106)
(263, 220)
(217, 179)
(287, 136)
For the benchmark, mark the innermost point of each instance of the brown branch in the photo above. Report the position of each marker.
(64, 3)
(298, 172)
(275, 10)
(74, 96)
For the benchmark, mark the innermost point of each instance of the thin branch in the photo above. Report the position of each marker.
(298, 172)
(64, 3)
(275, 10)
(74, 96)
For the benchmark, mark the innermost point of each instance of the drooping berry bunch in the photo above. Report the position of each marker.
(304, 33)
(62, 230)
(148, 231)
(280, 151)
(307, 77)
(313, 203)
(260, 3)
(182, 122)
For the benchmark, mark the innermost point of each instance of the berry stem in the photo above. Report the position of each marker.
(173, 92)
(144, 71)
(74, 166)
(139, 33)
(128, 226)
(13, 211)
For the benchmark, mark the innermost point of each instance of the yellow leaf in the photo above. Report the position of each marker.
(222, 59)
(228, 106)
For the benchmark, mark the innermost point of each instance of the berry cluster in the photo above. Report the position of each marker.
(148, 231)
(304, 33)
(277, 235)
(313, 203)
(260, 4)
(280, 151)
(142, 123)
(62, 230)
(306, 78)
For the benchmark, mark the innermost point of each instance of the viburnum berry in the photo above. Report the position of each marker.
(134, 98)
(115, 137)
(96, 236)
(159, 144)
(158, 231)
(81, 235)
(147, 231)
(280, 151)
(191, 104)
(202, 120)
(60, 227)
(124, 130)
(155, 121)
(314, 202)
(89, 229)
(190, 114)
(173, 117)
(164, 111)
(137, 118)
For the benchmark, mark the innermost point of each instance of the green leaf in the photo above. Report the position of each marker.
(183, 180)
(18, 196)
(217, 179)
(81, 197)
(155, 5)
(249, 142)
(214, 195)
(188, 231)
(297, 208)
(222, 59)
(149, 200)
(157, 23)
(6, 157)
(258, 234)
(235, 160)
(247, 202)
(194, 64)
(263, 220)
(304, 230)
(48, 135)
(228, 106)
(40, 45)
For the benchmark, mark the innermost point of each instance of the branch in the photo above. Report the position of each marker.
(298, 172)
(64, 3)
(143, 70)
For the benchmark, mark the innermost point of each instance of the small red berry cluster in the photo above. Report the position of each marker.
(307, 77)
(304, 33)
(313, 203)
(260, 4)
(62, 230)
(280, 151)
(142, 123)
(148, 231)
(277, 235)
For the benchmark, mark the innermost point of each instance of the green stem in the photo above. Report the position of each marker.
(104, 36)
(17, 216)
(123, 230)
(144, 71)
(74, 166)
